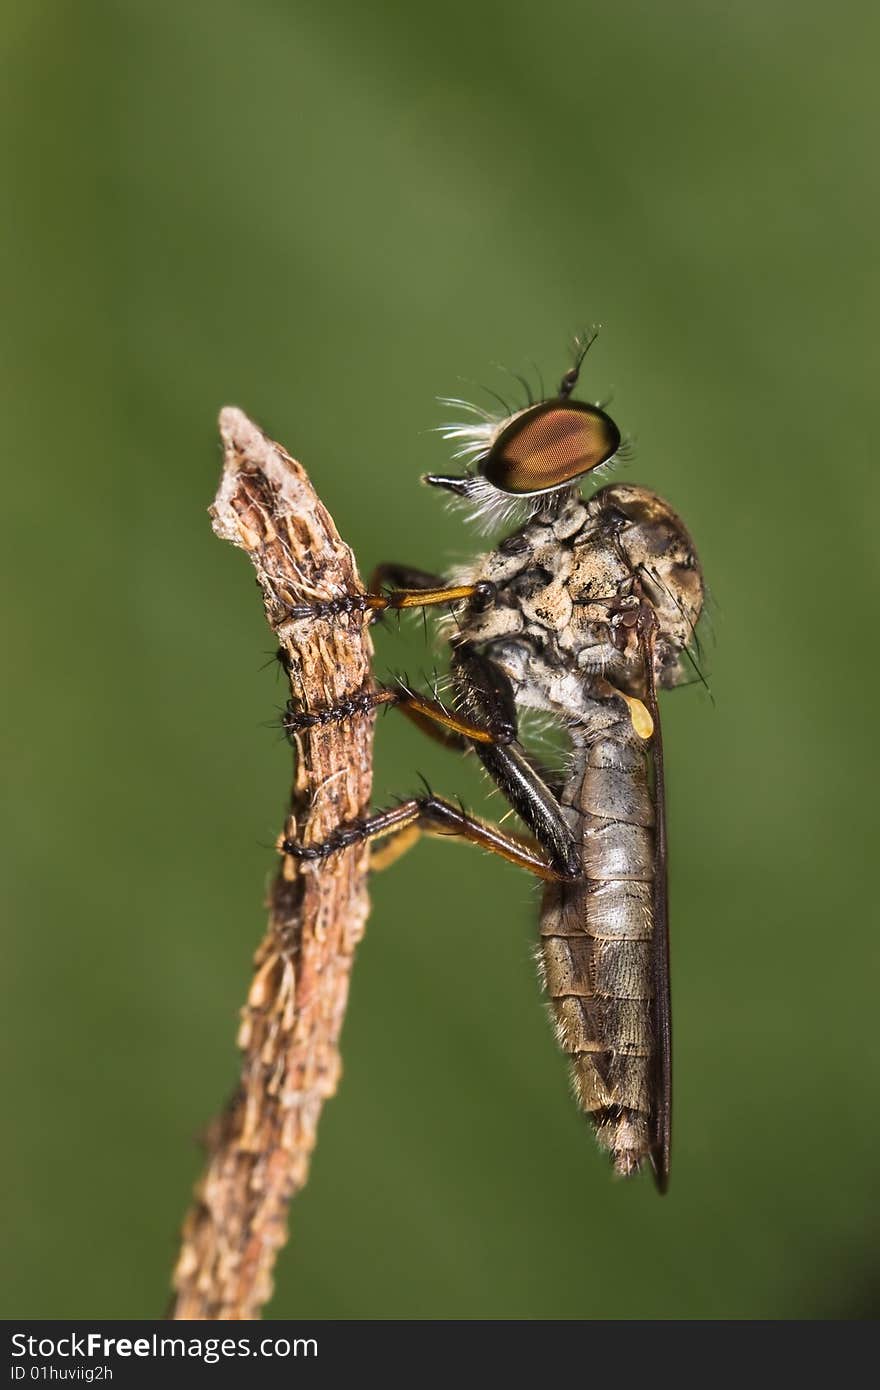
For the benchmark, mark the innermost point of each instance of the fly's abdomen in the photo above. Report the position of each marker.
(596, 943)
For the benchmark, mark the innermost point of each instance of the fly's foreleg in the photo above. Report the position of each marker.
(401, 586)
(409, 588)
(433, 815)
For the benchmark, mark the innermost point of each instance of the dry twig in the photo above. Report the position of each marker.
(259, 1148)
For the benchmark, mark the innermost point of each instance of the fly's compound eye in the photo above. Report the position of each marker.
(549, 445)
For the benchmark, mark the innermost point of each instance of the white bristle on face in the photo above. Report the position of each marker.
(488, 507)
(473, 438)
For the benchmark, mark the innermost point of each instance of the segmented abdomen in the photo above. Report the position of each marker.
(596, 939)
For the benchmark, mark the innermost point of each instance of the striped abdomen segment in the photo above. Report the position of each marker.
(596, 941)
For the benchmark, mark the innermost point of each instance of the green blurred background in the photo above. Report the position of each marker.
(330, 214)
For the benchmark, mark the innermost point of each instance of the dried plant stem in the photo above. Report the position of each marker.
(259, 1148)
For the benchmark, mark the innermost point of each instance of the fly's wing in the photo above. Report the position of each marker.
(661, 1107)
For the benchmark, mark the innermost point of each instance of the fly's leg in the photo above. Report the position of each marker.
(432, 815)
(426, 713)
(386, 852)
(486, 693)
(295, 720)
(405, 587)
(453, 734)
(410, 588)
(489, 726)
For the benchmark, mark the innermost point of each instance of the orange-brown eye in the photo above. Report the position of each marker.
(550, 444)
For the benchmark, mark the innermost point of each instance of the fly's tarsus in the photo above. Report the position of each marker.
(295, 720)
(343, 604)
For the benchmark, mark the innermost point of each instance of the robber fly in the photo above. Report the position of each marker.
(582, 612)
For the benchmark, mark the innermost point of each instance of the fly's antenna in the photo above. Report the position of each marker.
(582, 344)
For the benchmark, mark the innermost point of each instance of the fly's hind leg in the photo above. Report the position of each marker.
(432, 815)
(485, 691)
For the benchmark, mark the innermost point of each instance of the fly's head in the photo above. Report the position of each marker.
(660, 557)
(532, 455)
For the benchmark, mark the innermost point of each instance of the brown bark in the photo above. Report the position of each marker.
(260, 1147)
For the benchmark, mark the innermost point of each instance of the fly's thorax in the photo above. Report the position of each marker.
(541, 574)
(569, 584)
